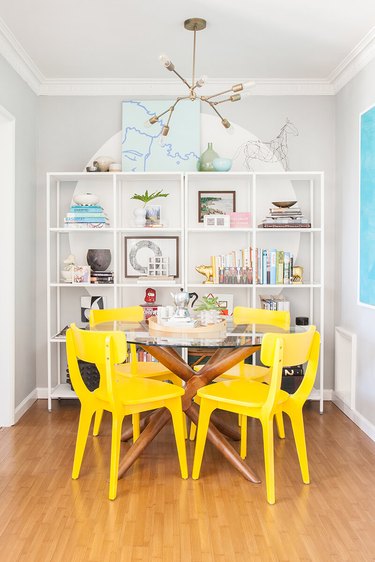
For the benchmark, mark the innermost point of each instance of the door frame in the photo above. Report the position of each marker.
(7, 253)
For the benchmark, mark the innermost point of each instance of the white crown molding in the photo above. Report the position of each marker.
(354, 62)
(167, 88)
(18, 58)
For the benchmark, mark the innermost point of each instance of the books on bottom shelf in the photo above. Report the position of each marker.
(274, 302)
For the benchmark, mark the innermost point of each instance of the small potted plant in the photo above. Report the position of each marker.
(146, 197)
(209, 309)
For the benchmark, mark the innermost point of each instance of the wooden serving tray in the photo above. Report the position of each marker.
(214, 329)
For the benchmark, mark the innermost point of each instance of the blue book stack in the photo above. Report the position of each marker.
(86, 216)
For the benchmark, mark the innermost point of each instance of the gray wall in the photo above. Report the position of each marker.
(357, 96)
(17, 98)
(71, 129)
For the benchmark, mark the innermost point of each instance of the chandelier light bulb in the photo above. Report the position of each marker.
(166, 61)
(202, 80)
(230, 130)
(248, 84)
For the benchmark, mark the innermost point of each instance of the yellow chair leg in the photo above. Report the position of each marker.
(97, 422)
(136, 426)
(296, 418)
(85, 418)
(243, 447)
(280, 425)
(205, 412)
(115, 455)
(193, 431)
(185, 427)
(269, 463)
(178, 426)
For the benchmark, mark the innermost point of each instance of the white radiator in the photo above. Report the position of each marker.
(345, 366)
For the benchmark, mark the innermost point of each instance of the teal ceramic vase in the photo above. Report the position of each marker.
(207, 158)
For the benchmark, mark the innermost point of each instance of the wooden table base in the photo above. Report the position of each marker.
(220, 362)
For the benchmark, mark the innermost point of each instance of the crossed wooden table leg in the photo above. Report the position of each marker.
(220, 362)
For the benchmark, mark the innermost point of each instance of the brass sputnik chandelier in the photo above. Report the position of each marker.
(197, 24)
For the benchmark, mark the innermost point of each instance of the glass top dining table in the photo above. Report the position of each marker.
(229, 346)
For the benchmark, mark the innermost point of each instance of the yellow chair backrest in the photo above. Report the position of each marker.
(292, 349)
(105, 349)
(246, 315)
(126, 314)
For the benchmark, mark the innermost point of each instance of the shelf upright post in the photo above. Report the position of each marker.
(114, 238)
(321, 372)
(186, 226)
(58, 293)
(183, 231)
(49, 359)
(253, 177)
(312, 272)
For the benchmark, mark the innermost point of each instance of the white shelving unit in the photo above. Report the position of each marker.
(254, 193)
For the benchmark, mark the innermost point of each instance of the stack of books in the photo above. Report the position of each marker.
(274, 302)
(86, 216)
(285, 217)
(101, 277)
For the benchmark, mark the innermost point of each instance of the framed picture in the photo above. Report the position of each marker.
(153, 213)
(366, 283)
(81, 274)
(138, 250)
(88, 303)
(216, 203)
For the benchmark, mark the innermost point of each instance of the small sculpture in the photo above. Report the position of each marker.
(297, 275)
(68, 270)
(150, 296)
(207, 271)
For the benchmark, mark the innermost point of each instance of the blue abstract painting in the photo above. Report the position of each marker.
(367, 210)
(142, 149)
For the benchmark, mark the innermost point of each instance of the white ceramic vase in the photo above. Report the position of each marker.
(209, 317)
(140, 216)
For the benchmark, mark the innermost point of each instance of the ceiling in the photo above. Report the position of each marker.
(112, 41)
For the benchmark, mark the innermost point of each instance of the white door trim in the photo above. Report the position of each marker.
(7, 253)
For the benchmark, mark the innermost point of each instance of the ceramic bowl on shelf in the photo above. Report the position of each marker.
(86, 199)
(222, 164)
(284, 204)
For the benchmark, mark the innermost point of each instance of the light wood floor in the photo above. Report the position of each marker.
(158, 517)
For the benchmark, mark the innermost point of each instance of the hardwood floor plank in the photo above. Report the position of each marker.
(158, 517)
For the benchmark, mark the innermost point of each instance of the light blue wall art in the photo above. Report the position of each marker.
(367, 210)
(142, 150)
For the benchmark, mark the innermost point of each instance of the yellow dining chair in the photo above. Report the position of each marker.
(119, 395)
(251, 398)
(260, 316)
(147, 369)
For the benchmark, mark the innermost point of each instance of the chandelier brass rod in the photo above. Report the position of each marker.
(194, 49)
(181, 78)
(214, 108)
(171, 109)
(218, 94)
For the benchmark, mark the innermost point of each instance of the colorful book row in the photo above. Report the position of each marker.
(249, 265)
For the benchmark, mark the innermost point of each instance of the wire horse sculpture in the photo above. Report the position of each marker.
(275, 150)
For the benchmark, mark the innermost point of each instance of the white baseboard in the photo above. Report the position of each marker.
(363, 423)
(315, 394)
(26, 403)
(42, 393)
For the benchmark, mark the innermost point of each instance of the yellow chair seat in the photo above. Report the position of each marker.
(147, 369)
(135, 390)
(255, 372)
(245, 394)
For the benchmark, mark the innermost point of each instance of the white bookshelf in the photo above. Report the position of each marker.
(254, 193)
